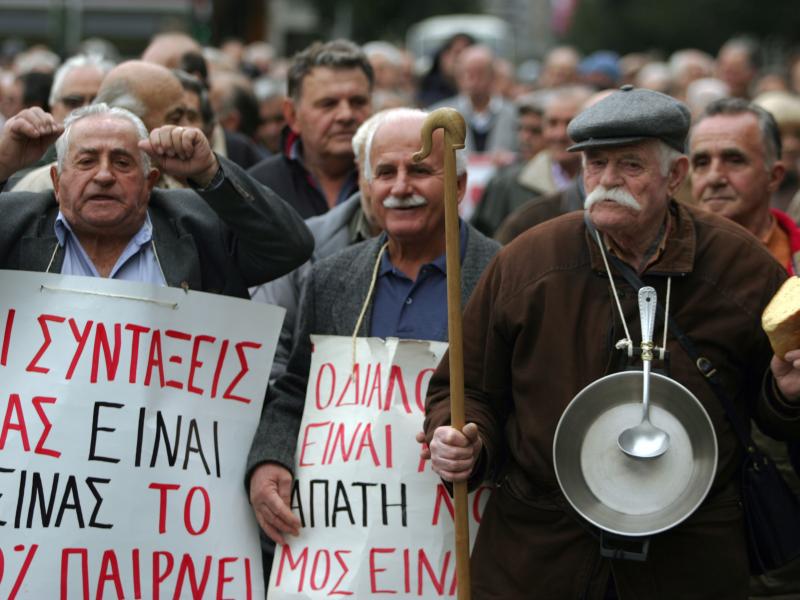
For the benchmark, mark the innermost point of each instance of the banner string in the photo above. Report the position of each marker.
(366, 303)
(172, 305)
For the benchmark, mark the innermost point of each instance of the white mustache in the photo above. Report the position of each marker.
(407, 202)
(616, 194)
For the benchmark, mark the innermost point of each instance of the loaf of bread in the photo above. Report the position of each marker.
(781, 318)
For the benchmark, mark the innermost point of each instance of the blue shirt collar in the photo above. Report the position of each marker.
(440, 262)
(142, 237)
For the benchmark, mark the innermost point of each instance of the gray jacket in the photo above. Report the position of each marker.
(331, 302)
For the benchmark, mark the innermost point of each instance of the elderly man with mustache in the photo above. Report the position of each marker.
(409, 299)
(547, 319)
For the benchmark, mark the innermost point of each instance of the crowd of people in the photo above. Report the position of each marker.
(686, 170)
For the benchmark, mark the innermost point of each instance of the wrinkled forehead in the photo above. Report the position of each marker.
(96, 131)
(403, 135)
(644, 150)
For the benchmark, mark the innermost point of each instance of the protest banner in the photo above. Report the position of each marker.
(127, 412)
(376, 521)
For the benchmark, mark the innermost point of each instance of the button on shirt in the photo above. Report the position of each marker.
(136, 263)
(409, 309)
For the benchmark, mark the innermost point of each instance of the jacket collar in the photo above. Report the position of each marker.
(679, 251)
(537, 174)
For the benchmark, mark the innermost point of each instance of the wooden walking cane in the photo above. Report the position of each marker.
(454, 133)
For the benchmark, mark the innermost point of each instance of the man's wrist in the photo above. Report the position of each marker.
(208, 181)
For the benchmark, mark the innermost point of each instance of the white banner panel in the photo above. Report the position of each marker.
(377, 522)
(126, 415)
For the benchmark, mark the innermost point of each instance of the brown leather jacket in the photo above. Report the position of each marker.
(540, 326)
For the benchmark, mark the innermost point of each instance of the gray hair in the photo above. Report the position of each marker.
(397, 114)
(767, 126)
(100, 109)
(78, 61)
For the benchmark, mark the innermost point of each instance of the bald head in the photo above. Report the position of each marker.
(475, 73)
(149, 91)
(167, 49)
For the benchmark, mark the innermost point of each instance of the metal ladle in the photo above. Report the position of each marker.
(645, 440)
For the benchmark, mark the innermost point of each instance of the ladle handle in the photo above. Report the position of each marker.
(647, 314)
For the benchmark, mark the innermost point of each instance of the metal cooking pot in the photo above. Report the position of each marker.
(621, 494)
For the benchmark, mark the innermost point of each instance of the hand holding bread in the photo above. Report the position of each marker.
(781, 322)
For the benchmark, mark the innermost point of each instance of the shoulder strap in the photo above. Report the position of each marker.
(703, 364)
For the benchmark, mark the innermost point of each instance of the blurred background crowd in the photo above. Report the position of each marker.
(518, 71)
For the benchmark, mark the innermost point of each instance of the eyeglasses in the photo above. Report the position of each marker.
(73, 101)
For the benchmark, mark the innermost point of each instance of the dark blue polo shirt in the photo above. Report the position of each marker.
(413, 309)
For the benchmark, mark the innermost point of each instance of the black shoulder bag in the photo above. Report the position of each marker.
(771, 510)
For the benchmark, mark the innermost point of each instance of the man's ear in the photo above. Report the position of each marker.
(290, 114)
(776, 173)
(152, 178)
(54, 178)
(461, 186)
(677, 174)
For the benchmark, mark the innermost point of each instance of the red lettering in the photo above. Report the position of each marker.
(442, 496)
(406, 571)
(33, 366)
(137, 574)
(368, 443)
(218, 370)
(158, 576)
(186, 569)
(176, 359)
(7, 341)
(374, 570)
(322, 369)
(335, 591)
(306, 443)
(229, 395)
(109, 571)
(315, 569)
(421, 387)
(363, 396)
(352, 378)
(376, 387)
(286, 557)
(195, 364)
(154, 359)
(438, 584)
(338, 438)
(388, 438)
(163, 489)
(396, 379)
(23, 571)
(101, 345)
(187, 511)
(14, 406)
(81, 337)
(84, 554)
(136, 332)
(222, 579)
(422, 461)
(248, 580)
(37, 404)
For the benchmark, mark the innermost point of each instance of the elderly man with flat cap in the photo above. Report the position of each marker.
(545, 322)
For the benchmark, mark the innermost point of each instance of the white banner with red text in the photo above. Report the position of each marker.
(376, 521)
(127, 414)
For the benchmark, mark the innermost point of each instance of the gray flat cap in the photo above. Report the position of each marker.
(631, 115)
